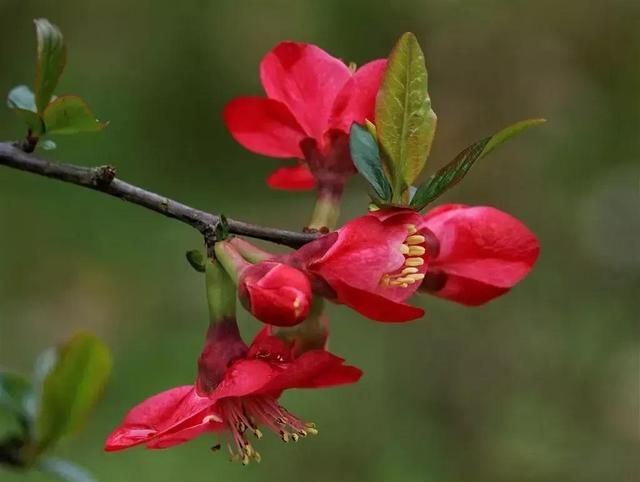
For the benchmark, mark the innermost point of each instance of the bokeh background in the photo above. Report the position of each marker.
(540, 385)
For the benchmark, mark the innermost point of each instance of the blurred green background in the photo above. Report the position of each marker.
(540, 385)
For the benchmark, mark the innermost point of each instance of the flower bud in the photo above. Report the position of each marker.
(275, 293)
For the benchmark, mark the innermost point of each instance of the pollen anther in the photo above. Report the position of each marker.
(414, 262)
(415, 239)
(411, 228)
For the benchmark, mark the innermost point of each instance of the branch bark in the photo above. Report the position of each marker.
(103, 179)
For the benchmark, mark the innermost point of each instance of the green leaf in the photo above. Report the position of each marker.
(448, 176)
(14, 393)
(366, 157)
(405, 122)
(52, 57)
(22, 101)
(72, 387)
(371, 127)
(21, 97)
(70, 114)
(222, 230)
(48, 145)
(64, 470)
(196, 260)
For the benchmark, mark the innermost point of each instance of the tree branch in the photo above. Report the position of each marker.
(104, 179)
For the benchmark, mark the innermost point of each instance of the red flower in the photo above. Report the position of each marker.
(312, 100)
(480, 253)
(370, 264)
(243, 398)
(275, 293)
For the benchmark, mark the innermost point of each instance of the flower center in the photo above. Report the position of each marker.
(242, 415)
(414, 249)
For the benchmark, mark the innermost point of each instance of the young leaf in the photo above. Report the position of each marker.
(405, 121)
(448, 176)
(72, 387)
(14, 392)
(48, 145)
(52, 57)
(64, 470)
(70, 114)
(23, 102)
(366, 157)
(196, 260)
(371, 127)
(21, 97)
(222, 231)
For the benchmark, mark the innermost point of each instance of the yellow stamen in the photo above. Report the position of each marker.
(414, 262)
(297, 305)
(416, 276)
(211, 418)
(416, 251)
(404, 249)
(411, 228)
(409, 271)
(258, 434)
(415, 239)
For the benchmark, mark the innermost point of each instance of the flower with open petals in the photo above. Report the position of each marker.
(236, 392)
(372, 264)
(480, 253)
(312, 98)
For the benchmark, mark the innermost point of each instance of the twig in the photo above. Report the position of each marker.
(104, 179)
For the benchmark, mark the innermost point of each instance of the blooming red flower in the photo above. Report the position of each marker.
(371, 264)
(275, 293)
(312, 100)
(238, 402)
(480, 253)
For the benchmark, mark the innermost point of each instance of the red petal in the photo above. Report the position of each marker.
(364, 252)
(467, 291)
(244, 377)
(313, 369)
(297, 178)
(374, 306)
(155, 416)
(305, 78)
(443, 208)
(482, 244)
(341, 375)
(264, 126)
(179, 437)
(357, 99)
(368, 247)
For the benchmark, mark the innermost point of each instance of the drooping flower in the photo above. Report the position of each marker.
(480, 253)
(236, 392)
(312, 98)
(275, 293)
(371, 264)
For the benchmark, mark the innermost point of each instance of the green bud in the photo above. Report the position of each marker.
(221, 292)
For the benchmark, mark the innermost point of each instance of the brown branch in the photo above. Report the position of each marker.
(104, 179)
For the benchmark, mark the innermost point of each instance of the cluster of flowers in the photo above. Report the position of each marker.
(372, 264)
